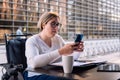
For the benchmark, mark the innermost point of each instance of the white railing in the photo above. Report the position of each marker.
(93, 48)
(100, 47)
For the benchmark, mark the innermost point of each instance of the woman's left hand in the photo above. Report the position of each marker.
(79, 47)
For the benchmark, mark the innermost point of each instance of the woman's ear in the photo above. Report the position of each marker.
(43, 26)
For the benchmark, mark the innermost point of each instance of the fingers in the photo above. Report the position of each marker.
(80, 47)
(76, 46)
(79, 50)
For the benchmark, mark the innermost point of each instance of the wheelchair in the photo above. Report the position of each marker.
(16, 60)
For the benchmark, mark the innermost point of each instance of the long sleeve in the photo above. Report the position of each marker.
(39, 55)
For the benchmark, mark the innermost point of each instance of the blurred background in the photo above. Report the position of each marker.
(96, 19)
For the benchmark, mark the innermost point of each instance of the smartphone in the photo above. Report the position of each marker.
(78, 38)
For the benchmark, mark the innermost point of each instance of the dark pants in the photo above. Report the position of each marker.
(43, 77)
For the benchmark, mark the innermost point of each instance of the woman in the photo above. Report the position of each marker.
(47, 46)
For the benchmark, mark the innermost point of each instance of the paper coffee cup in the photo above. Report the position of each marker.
(67, 62)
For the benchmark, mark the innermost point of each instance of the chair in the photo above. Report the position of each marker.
(15, 49)
(15, 53)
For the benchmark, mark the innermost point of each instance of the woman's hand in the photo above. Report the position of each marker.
(67, 49)
(79, 47)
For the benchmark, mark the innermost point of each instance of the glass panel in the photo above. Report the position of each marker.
(96, 19)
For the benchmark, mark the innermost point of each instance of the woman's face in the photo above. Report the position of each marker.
(51, 28)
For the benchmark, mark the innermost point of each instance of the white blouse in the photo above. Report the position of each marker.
(39, 54)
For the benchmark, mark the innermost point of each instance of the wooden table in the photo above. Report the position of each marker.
(80, 73)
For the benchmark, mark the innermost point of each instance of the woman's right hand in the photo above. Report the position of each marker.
(67, 49)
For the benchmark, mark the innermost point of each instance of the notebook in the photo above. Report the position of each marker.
(78, 63)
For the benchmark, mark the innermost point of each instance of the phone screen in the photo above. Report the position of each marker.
(78, 37)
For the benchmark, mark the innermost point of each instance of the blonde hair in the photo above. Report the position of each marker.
(45, 18)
